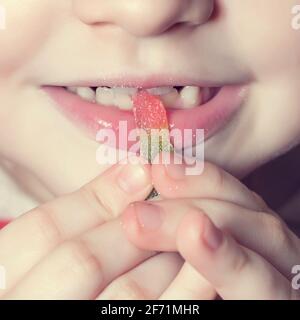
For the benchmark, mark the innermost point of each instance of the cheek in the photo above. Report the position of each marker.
(264, 34)
(27, 25)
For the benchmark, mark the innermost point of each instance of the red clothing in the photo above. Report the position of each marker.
(3, 223)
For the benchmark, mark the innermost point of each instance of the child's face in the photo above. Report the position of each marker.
(139, 43)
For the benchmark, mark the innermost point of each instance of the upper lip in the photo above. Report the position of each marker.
(140, 82)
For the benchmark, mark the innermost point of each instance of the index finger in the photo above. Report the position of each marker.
(24, 242)
(172, 182)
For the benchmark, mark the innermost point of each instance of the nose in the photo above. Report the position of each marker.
(144, 17)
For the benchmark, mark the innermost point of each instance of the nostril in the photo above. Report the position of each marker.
(144, 18)
(200, 13)
(177, 26)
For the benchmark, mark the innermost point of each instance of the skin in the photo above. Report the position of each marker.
(240, 248)
(139, 33)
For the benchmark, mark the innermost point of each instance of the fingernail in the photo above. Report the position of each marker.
(176, 169)
(149, 216)
(212, 236)
(133, 178)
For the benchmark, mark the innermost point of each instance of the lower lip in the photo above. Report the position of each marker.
(211, 116)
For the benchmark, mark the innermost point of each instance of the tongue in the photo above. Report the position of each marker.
(151, 118)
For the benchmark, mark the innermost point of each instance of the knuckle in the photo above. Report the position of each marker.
(240, 262)
(100, 203)
(126, 288)
(215, 176)
(81, 257)
(278, 235)
(198, 290)
(261, 202)
(47, 229)
(238, 268)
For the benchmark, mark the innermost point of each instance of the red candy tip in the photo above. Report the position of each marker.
(149, 111)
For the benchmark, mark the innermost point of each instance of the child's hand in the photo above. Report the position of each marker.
(249, 255)
(74, 246)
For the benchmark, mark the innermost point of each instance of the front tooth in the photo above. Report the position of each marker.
(125, 90)
(123, 100)
(191, 96)
(171, 99)
(105, 96)
(86, 93)
(160, 91)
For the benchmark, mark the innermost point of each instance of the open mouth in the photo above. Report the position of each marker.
(188, 107)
